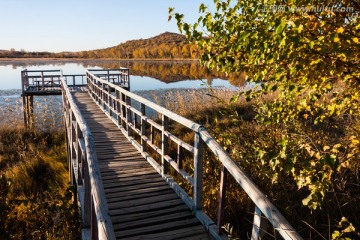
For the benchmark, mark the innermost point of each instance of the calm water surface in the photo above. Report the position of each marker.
(148, 79)
(146, 76)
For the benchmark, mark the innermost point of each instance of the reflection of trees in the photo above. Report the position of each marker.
(165, 71)
(169, 71)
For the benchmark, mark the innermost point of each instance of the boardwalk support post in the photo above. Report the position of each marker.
(259, 225)
(164, 144)
(198, 170)
(222, 199)
(143, 127)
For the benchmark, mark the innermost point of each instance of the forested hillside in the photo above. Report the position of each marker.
(166, 45)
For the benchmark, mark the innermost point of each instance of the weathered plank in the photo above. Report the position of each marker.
(190, 233)
(166, 226)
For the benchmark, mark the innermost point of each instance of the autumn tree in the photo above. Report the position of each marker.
(304, 53)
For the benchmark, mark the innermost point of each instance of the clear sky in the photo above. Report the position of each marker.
(74, 25)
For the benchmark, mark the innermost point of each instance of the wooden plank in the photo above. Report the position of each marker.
(131, 178)
(129, 188)
(129, 175)
(142, 201)
(128, 197)
(157, 228)
(120, 156)
(154, 213)
(126, 171)
(111, 183)
(175, 234)
(114, 169)
(136, 192)
(148, 207)
(164, 218)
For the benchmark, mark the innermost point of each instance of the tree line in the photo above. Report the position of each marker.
(164, 46)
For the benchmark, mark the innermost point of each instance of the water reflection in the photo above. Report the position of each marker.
(164, 71)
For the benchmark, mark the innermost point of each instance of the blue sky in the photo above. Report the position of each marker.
(73, 25)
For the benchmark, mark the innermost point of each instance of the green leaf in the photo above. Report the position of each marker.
(280, 28)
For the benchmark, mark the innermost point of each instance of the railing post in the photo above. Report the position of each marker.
(259, 225)
(123, 107)
(71, 147)
(109, 101)
(180, 156)
(128, 79)
(198, 171)
(94, 226)
(128, 115)
(152, 132)
(118, 107)
(42, 79)
(143, 128)
(222, 199)
(79, 154)
(164, 145)
(87, 195)
(103, 95)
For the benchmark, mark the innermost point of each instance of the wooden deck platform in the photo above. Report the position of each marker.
(140, 202)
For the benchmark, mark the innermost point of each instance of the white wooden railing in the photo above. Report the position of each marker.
(136, 123)
(85, 172)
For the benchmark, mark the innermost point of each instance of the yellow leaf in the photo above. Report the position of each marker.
(337, 39)
(356, 40)
(340, 30)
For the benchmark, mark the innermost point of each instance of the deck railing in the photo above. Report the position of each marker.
(152, 137)
(120, 76)
(77, 80)
(39, 80)
(84, 171)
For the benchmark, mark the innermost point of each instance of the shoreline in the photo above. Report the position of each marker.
(95, 59)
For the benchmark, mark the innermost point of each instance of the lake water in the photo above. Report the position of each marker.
(144, 75)
(148, 79)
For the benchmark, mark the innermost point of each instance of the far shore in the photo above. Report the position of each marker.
(95, 59)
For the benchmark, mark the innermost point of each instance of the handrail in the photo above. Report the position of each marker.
(118, 76)
(118, 107)
(81, 150)
(40, 80)
(184, 121)
(261, 201)
(44, 80)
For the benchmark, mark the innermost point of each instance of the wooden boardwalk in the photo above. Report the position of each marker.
(141, 204)
(112, 140)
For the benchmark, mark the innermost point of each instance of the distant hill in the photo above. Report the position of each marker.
(164, 46)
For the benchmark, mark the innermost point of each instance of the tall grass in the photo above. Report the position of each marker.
(35, 195)
(47, 112)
